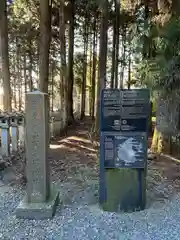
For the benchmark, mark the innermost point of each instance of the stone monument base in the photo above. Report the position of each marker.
(38, 211)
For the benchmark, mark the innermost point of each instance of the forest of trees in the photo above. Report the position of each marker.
(59, 45)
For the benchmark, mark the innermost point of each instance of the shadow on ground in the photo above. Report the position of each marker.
(74, 169)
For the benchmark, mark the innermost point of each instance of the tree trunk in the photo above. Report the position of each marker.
(4, 53)
(63, 70)
(83, 88)
(102, 60)
(14, 79)
(113, 54)
(175, 7)
(94, 68)
(167, 116)
(70, 65)
(18, 64)
(90, 73)
(123, 58)
(30, 82)
(25, 77)
(52, 84)
(146, 16)
(45, 40)
(129, 68)
(117, 6)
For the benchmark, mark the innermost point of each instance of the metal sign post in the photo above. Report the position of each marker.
(123, 151)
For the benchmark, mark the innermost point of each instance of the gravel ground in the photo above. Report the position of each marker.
(79, 217)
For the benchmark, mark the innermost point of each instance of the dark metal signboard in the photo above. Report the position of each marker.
(124, 125)
(125, 110)
(125, 116)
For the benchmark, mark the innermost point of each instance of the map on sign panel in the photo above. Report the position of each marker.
(128, 151)
(124, 150)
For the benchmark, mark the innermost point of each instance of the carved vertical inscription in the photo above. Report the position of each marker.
(36, 171)
(36, 148)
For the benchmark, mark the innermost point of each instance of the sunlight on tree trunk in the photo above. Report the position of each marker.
(113, 53)
(167, 116)
(45, 40)
(70, 65)
(63, 69)
(123, 57)
(4, 56)
(117, 7)
(83, 88)
(155, 146)
(102, 61)
(94, 67)
(30, 82)
(160, 143)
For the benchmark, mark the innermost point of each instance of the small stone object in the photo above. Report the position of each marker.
(5, 136)
(151, 155)
(52, 128)
(14, 132)
(41, 199)
(21, 125)
(2, 164)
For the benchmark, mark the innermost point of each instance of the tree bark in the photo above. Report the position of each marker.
(18, 72)
(102, 60)
(63, 69)
(123, 57)
(113, 54)
(146, 16)
(94, 68)
(4, 53)
(25, 76)
(90, 72)
(167, 117)
(14, 79)
(129, 68)
(45, 40)
(52, 84)
(175, 7)
(83, 88)
(117, 6)
(30, 82)
(70, 65)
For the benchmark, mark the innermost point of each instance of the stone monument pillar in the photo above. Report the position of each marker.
(40, 200)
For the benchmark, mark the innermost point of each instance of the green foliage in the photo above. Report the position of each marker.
(162, 70)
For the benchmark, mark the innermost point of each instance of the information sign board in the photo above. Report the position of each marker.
(123, 150)
(125, 110)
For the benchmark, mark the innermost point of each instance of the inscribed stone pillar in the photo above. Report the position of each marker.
(40, 199)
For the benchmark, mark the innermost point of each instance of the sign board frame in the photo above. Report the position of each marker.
(125, 110)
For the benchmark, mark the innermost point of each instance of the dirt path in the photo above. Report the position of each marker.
(73, 152)
(74, 166)
(76, 153)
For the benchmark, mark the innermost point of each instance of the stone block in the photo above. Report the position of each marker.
(38, 211)
(40, 201)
